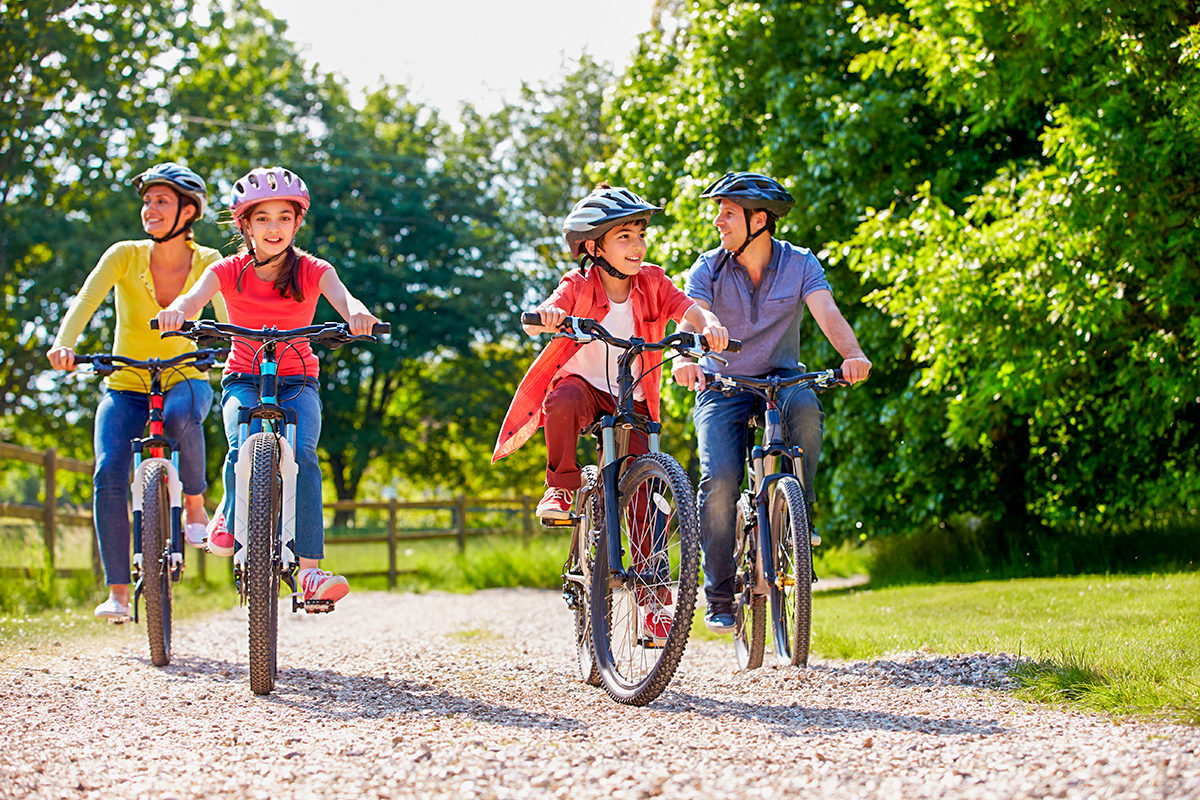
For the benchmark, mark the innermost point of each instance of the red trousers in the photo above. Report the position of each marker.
(571, 405)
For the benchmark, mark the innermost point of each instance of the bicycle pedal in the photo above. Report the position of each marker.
(316, 606)
(554, 522)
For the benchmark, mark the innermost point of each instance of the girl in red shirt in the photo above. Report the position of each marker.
(270, 282)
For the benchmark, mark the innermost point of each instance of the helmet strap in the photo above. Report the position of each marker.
(599, 261)
(750, 236)
(174, 232)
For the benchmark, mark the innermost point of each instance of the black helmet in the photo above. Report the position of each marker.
(752, 191)
(599, 212)
(179, 178)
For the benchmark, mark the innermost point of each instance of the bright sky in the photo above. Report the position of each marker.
(450, 51)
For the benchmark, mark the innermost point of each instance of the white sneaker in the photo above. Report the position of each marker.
(113, 610)
(194, 533)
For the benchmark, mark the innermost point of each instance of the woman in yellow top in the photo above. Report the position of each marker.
(148, 276)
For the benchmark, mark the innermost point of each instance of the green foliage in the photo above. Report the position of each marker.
(1001, 193)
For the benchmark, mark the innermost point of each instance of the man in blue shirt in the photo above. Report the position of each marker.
(758, 287)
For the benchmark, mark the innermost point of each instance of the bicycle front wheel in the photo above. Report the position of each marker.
(791, 595)
(262, 560)
(156, 561)
(749, 607)
(642, 612)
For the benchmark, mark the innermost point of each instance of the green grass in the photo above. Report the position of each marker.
(1123, 644)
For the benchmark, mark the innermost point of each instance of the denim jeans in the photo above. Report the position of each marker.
(122, 416)
(721, 430)
(239, 389)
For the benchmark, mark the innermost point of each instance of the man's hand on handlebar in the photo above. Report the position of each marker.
(855, 369)
(689, 375)
(717, 338)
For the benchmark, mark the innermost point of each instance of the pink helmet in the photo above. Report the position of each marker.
(268, 183)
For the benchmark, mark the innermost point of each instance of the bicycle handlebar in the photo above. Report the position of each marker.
(585, 329)
(331, 333)
(823, 379)
(105, 364)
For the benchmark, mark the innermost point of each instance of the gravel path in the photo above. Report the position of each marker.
(449, 696)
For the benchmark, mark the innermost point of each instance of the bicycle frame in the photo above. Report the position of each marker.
(272, 414)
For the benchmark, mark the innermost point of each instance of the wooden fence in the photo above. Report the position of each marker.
(461, 507)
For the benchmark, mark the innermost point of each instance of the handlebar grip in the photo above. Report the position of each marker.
(735, 346)
(837, 376)
(380, 328)
(531, 318)
(154, 324)
(186, 326)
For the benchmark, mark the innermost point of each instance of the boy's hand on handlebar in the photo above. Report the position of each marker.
(170, 320)
(552, 316)
(62, 358)
(688, 375)
(856, 369)
(717, 338)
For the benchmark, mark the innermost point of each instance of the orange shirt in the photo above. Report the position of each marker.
(656, 301)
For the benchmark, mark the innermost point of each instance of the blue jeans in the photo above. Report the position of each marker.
(239, 389)
(121, 417)
(721, 431)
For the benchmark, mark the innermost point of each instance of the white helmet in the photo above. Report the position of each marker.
(603, 209)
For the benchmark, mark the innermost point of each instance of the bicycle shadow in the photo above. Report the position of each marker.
(796, 720)
(327, 694)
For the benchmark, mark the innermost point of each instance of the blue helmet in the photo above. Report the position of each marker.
(179, 178)
(753, 192)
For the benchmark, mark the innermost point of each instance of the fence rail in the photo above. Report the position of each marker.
(461, 507)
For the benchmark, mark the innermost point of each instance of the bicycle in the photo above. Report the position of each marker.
(265, 508)
(635, 537)
(157, 497)
(773, 550)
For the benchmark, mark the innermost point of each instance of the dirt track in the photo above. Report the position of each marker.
(476, 696)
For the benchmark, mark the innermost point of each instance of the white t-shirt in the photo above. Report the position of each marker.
(596, 362)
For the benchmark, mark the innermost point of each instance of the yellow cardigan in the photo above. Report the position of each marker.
(126, 265)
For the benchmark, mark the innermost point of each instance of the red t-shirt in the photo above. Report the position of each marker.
(259, 303)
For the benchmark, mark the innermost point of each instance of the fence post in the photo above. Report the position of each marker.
(392, 542)
(460, 506)
(50, 467)
(527, 517)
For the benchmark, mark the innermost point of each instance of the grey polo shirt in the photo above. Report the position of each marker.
(766, 319)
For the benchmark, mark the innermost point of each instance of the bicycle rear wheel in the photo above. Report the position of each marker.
(791, 596)
(156, 561)
(642, 614)
(579, 571)
(262, 559)
(749, 609)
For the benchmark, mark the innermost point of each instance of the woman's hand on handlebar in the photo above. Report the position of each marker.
(551, 317)
(170, 320)
(62, 358)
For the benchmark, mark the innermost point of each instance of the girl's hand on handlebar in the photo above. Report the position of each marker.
(170, 320)
(688, 375)
(362, 323)
(62, 358)
(717, 338)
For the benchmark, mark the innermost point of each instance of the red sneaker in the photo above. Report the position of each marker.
(658, 625)
(220, 540)
(317, 584)
(555, 504)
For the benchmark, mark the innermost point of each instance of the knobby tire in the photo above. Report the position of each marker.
(791, 597)
(262, 557)
(588, 508)
(659, 528)
(750, 609)
(156, 561)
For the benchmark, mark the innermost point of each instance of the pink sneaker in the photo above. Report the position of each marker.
(317, 584)
(220, 540)
(555, 504)
(658, 625)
